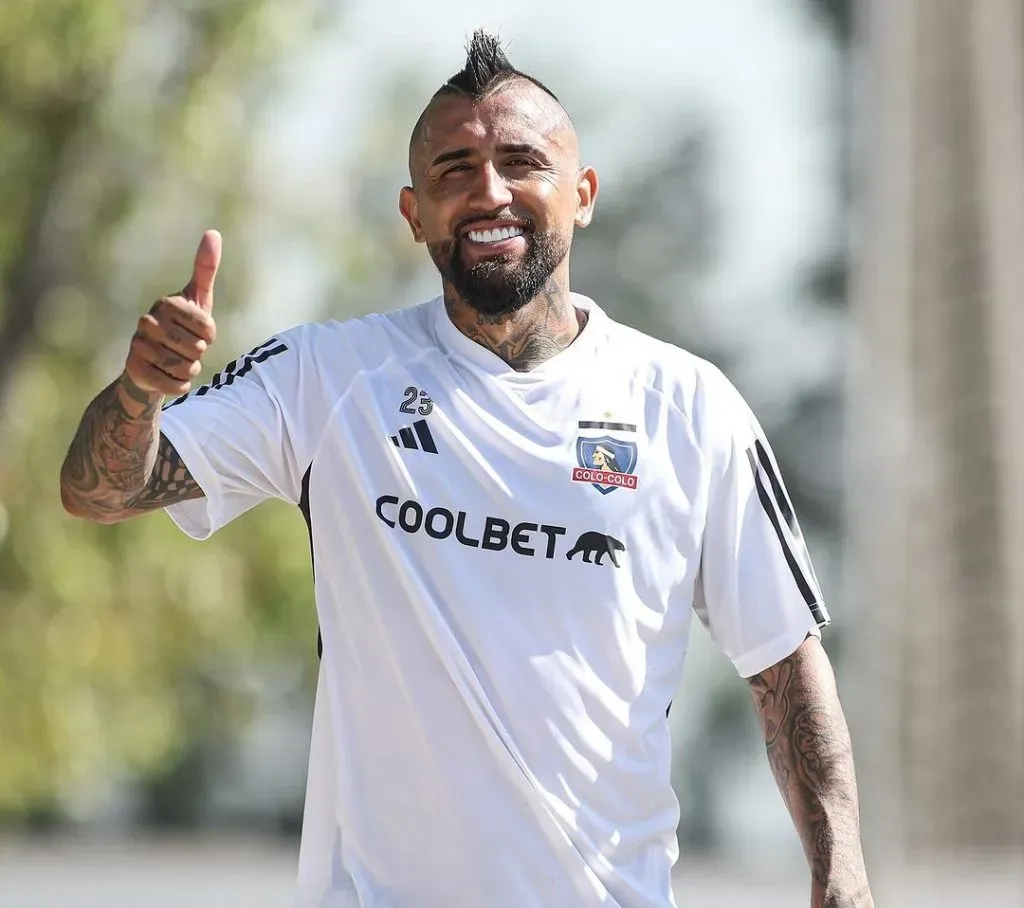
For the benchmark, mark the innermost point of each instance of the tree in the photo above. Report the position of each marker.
(124, 130)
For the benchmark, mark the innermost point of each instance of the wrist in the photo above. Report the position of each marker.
(845, 893)
(141, 395)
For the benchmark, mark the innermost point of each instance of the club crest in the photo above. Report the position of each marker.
(606, 463)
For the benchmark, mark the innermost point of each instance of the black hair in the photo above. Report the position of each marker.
(487, 68)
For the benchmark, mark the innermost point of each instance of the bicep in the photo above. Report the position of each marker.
(169, 483)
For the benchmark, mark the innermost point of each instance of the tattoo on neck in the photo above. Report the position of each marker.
(537, 332)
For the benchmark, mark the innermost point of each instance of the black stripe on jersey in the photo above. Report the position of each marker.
(799, 576)
(405, 433)
(304, 508)
(614, 426)
(233, 370)
(423, 434)
(781, 498)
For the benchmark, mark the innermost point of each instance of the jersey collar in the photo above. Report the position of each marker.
(455, 343)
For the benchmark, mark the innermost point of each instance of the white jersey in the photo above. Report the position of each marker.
(505, 567)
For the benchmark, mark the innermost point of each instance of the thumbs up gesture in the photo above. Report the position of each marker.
(172, 337)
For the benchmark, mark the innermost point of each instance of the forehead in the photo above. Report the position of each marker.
(518, 114)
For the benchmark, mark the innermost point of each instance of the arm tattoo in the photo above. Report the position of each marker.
(115, 467)
(169, 483)
(545, 326)
(811, 758)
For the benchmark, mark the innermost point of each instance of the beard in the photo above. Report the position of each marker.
(503, 284)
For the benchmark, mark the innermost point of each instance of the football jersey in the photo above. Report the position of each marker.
(505, 564)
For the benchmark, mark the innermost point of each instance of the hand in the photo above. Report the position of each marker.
(172, 337)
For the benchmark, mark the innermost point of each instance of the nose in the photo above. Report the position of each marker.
(490, 190)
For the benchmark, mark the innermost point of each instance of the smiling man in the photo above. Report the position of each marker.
(515, 505)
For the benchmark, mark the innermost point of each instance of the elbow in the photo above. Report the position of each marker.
(69, 500)
(76, 507)
(72, 504)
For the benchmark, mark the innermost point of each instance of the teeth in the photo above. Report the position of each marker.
(495, 236)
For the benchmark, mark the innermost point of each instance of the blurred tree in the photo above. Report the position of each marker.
(123, 132)
(125, 129)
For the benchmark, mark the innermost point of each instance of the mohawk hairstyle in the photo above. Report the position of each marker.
(486, 69)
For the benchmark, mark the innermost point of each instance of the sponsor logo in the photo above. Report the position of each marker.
(494, 534)
(596, 546)
(416, 437)
(606, 462)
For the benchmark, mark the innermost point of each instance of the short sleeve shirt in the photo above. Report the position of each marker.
(506, 565)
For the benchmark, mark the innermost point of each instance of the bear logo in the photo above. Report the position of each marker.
(596, 545)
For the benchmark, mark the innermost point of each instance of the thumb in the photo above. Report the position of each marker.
(204, 271)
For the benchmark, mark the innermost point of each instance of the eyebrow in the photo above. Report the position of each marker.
(458, 154)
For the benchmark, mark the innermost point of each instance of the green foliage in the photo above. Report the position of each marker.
(124, 130)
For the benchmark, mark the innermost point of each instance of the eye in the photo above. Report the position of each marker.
(456, 168)
(520, 162)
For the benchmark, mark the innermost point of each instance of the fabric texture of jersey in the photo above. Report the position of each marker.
(506, 565)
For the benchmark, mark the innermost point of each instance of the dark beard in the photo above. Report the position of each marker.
(501, 285)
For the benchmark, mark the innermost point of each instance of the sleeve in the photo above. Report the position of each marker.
(756, 591)
(242, 436)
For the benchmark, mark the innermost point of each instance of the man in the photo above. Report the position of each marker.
(490, 726)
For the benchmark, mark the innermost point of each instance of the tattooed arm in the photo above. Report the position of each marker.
(812, 760)
(119, 464)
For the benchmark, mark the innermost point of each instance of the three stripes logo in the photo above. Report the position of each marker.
(236, 369)
(780, 513)
(416, 437)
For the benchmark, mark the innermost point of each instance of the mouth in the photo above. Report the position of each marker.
(498, 236)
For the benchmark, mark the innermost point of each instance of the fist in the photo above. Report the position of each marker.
(169, 343)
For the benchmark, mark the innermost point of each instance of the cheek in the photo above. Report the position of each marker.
(443, 215)
(557, 198)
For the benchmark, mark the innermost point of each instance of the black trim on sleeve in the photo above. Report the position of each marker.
(781, 498)
(237, 368)
(806, 590)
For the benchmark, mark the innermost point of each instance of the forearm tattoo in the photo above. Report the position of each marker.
(115, 466)
(812, 760)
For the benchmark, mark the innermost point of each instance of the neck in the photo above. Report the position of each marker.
(528, 337)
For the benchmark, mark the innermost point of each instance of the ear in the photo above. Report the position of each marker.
(410, 210)
(586, 196)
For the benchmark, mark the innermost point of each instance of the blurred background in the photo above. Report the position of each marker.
(824, 197)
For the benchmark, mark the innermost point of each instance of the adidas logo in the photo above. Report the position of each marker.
(415, 438)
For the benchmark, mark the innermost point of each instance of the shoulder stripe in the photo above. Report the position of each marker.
(806, 586)
(237, 368)
(785, 505)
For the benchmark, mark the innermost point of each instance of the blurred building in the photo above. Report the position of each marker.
(937, 428)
